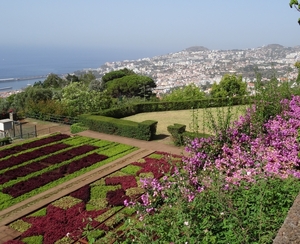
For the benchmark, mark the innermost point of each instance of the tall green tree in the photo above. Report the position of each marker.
(87, 78)
(96, 85)
(131, 86)
(79, 99)
(116, 74)
(53, 81)
(296, 5)
(186, 93)
(4, 105)
(229, 86)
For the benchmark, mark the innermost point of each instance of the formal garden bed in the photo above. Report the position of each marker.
(33, 167)
(95, 210)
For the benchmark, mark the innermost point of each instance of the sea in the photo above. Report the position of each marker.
(20, 68)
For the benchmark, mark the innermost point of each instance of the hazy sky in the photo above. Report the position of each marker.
(155, 26)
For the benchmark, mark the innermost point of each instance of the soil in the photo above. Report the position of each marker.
(44, 127)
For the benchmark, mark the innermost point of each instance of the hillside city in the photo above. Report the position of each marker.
(203, 67)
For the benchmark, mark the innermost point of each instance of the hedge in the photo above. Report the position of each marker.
(5, 141)
(181, 137)
(145, 107)
(144, 131)
(176, 132)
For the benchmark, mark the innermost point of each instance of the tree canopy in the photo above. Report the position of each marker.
(189, 92)
(296, 5)
(78, 99)
(131, 86)
(229, 86)
(116, 74)
(52, 81)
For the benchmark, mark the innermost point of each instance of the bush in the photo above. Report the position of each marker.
(5, 141)
(189, 136)
(143, 131)
(78, 127)
(176, 132)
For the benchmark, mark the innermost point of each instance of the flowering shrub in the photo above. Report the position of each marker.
(241, 156)
(217, 167)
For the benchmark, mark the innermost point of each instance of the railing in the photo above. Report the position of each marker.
(67, 120)
(52, 129)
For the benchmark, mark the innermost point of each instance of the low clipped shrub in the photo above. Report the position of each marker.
(144, 131)
(78, 127)
(176, 132)
(5, 141)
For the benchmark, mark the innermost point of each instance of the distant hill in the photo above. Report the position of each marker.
(273, 46)
(196, 49)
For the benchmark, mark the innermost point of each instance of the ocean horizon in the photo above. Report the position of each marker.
(21, 67)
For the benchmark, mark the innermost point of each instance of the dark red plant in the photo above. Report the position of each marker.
(29, 145)
(35, 182)
(82, 193)
(158, 167)
(126, 182)
(67, 155)
(58, 222)
(13, 242)
(117, 197)
(21, 158)
(32, 183)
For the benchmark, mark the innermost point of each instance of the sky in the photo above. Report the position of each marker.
(153, 27)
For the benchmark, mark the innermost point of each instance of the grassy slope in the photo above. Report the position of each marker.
(185, 117)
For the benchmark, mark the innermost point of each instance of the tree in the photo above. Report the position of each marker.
(27, 100)
(4, 105)
(78, 99)
(131, 86)
(297, 65)
(87, 78)
(96, 85)
(72, 78)
(116, 74)
(52, 81)
(38, 94)
(229, 86)
(186, 93)
(296, 5)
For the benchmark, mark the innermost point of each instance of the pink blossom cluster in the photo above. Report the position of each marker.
(240, 154)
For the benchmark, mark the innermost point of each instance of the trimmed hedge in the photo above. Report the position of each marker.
(146, 107)
(176, 132)
(5, 141)
(143, 131)
(181, 137)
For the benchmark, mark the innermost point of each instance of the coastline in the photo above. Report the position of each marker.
(5, 94)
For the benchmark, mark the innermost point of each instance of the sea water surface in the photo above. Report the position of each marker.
(22, 67)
